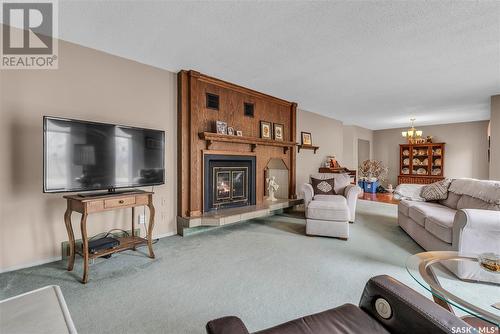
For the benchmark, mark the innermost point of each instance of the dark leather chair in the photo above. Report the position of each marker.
(386, 306)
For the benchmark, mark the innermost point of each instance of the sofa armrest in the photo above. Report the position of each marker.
(307, 193)
(226, 325)
(351, 194)
(410, 312)
(476, 231)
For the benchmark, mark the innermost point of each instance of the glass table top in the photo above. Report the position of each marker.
(459, 280)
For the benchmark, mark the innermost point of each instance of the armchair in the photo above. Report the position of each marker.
(342, 187)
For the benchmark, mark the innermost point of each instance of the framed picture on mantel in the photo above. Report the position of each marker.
(265, 130)
(278, 131)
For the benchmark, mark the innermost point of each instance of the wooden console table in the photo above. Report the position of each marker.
(341, 170)
(100, 203)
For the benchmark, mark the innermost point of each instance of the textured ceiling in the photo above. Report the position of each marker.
(373, 64)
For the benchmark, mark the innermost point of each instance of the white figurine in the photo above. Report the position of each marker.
(272, 186)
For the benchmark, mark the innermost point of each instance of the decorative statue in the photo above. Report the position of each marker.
(272, 186)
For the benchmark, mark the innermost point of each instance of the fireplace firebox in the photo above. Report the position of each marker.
(229, 181)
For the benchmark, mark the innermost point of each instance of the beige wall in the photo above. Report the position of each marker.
(88, 85)
(495, 138)
(466, 148)
(326, 133)
(351, 135)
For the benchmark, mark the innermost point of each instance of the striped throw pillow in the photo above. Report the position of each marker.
(436, 191)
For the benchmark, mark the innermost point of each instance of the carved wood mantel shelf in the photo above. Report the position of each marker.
(210, 137)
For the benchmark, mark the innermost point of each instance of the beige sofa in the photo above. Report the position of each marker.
(468, 221)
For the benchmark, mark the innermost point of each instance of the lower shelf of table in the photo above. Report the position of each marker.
(126, 243)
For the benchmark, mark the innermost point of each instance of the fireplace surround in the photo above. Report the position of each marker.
(229, 181)
(197, 138)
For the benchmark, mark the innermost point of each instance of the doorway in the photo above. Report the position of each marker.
(363, 150)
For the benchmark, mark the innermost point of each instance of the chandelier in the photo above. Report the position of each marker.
(413, 135)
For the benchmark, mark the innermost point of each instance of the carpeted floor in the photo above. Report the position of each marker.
(265, 271)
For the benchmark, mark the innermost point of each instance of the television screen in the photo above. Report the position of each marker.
(80, 155)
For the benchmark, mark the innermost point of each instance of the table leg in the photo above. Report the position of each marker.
(71, 238)
(150, 228)
(442, 303)
(85, 248)
(438, 300)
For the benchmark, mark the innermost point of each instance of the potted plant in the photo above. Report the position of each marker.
(363, 174)
(371, 173)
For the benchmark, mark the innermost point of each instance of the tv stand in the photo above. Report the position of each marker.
(111, 191)
(107, 202)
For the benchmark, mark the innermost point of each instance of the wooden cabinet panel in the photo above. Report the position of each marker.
(421, 163)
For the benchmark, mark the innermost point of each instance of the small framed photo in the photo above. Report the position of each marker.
(265, 130)
(230, 131)
(221, 127)
(278, 131)
(239, 133)
(306, 138)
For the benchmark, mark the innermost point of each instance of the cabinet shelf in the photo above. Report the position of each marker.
(411, 160)
(211, 137)
(126, 243)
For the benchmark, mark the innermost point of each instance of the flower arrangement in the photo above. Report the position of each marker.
(373, 170)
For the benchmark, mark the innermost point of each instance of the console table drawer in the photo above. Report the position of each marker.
(118, 202)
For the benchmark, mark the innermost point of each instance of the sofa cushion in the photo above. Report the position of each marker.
(451, 201)
(404, 206)
(340, 183)
(468, 202)
(323, 187)
(436, 191)
(420, 210)
(439, 223)
(334, 208)
(330, 198)
(486, 190)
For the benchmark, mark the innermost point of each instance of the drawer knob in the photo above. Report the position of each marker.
(120, 201)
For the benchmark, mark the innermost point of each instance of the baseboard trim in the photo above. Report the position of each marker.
(31, 264)
(164, 235)
(58, 258)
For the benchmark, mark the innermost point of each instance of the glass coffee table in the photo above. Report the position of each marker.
(459, 281)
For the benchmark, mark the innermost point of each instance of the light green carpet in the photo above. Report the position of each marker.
(265, 271)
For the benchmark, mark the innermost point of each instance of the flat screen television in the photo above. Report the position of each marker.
(83, 156)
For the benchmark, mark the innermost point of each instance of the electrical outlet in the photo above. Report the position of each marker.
(142, 219)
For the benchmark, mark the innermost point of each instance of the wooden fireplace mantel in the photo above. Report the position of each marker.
(197, 134)
(210, 137)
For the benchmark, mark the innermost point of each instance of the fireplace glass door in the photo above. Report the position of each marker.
(231, 185)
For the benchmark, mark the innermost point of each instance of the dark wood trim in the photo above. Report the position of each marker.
(211, 137)
(237, 88)
(195, 136)
(292, 172)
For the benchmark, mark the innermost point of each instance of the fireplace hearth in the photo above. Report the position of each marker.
(229, 181)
